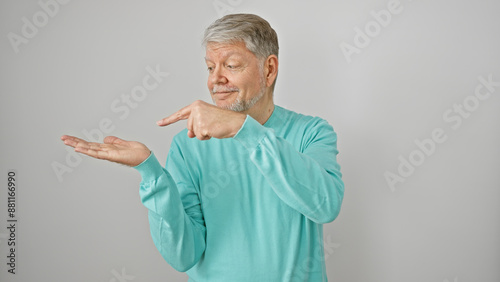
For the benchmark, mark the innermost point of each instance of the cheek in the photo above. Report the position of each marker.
(257, 84)
(246, 82)
(209, 83)
(235, 81)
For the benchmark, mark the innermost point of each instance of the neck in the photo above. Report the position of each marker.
(263, 109)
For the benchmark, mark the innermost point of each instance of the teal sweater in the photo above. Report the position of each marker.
(247, 208)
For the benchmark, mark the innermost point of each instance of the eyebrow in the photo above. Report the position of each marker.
(226, 55)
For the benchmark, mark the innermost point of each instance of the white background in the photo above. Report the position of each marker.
(440, 223)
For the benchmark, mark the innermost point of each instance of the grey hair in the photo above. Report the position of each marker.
(257, 34)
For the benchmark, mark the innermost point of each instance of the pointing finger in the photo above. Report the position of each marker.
(177, 116)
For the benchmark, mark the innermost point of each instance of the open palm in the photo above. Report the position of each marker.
(113, 149)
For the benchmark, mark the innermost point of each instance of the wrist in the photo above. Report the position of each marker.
(239, 121)
(141, 158)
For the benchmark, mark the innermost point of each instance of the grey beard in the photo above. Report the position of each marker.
(244, 105)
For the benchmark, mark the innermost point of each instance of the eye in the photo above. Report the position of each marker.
(232, 66)
(210, 69)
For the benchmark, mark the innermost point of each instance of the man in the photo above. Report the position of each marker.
(246, 199)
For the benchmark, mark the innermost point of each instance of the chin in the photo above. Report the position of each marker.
(224, 104)
(228, 106)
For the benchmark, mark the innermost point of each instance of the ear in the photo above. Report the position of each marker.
(271, 69)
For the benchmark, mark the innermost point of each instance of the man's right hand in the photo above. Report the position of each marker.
(113, 149)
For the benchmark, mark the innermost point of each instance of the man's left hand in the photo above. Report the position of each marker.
(206, 121)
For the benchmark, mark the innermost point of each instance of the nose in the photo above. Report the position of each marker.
(217, 76)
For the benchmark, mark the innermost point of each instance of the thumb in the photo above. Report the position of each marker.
(113, 140)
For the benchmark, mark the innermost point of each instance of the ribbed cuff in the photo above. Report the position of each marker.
(150, 168)
(251, 133)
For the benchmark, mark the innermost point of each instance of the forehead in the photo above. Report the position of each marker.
(225, 50)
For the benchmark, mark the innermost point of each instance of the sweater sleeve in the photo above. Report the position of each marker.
(309, 181)
(175, 217)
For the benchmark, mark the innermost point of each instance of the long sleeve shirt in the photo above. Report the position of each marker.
(247, 208)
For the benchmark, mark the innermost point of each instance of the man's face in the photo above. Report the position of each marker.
(235, 77)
